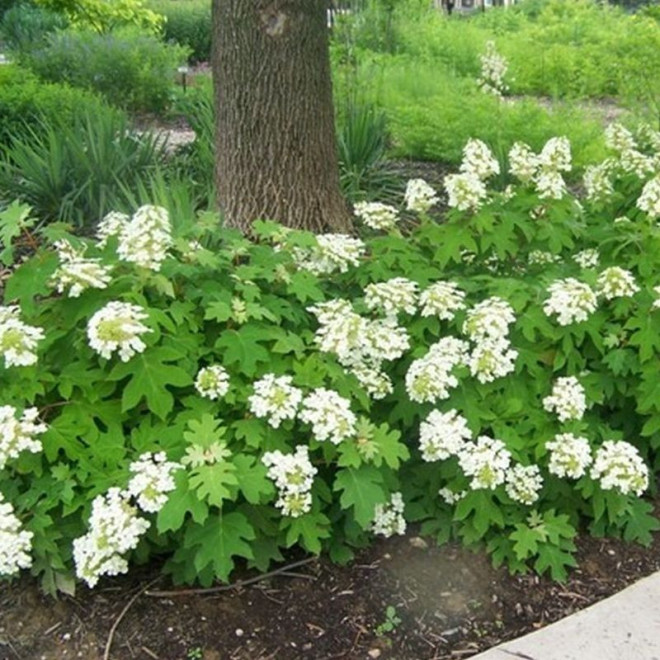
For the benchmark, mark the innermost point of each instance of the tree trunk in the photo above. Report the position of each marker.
(276, 155)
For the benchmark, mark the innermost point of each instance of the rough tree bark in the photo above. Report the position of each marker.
(275, 138)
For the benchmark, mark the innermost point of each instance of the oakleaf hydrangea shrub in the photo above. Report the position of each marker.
(194, 395)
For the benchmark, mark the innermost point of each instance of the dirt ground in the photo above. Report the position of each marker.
(402, 599)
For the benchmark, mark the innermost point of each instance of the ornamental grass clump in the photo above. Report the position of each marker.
(191, 394)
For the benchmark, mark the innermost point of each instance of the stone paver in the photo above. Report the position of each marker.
(625, 626)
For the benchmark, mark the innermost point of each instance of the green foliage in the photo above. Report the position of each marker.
(218, 298)
(431, 116)
(392, 620)
(6, 5)
(187, 24)
(362, 143)
(130, 69)
(25, 103)
(557, 48)
(25, 26)
(105, 15)
(73, 171)
(195, 162)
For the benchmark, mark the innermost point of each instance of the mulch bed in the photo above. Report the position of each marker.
(449, 603)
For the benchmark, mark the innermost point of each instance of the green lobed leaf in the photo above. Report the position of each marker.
(361, 490)
(216, 542)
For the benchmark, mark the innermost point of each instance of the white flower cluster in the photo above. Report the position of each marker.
(523, 483)
(375, 215)
(376, 382)
(275, 398)
(398, 294)
(656, 302)
(649, 200)
(544, 169)
(360, 344)
(18, 434)
(388, 517)
(333, 252)
(442, 435)
(478, 159)
(649, 137)
(588, 258)
(15, 542)
(567, 400)
(442, 299)
(491, 359)
(571, 300)
(145, 239)
(77, 273)
(556, 155)
(631, 160)
(489, 319)
(570, 455)
(619, 138)
(523, 162)
(117, 327)
(617, 282)
(111, 225)
(329, 414)
(151, 481)
(550, 185)
(486, 462)
(212, 382)
(114, 528)
(18, 340)
(430, 378)
(487, 324)
(419, 196)
(597, 181)
(635, 162)
(451, 497)
(619, 466)
(542, 258)
(293, 475)
(493, 69)
(467, 190)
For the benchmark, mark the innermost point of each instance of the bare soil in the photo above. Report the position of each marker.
(449, 603)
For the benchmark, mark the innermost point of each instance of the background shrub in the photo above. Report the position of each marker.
(187, 24)
(6, 4)
(25, 26)
(75, 171)
(195, 162)
(132, 70)
(431, 114)
(25, 102)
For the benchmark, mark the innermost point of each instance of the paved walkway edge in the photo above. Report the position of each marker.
(625, 626)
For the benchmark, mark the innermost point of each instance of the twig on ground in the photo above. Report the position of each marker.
(283, 570)
(122, 614)
(6, 642)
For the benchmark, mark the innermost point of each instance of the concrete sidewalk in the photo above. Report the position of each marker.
(625, 626)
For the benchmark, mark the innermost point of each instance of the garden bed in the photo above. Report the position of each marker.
(451, 604)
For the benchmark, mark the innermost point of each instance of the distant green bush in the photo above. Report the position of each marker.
(5, 5)
(74, 171)
(25, 101)
(187, 24)
(24, 26)
(132, 70)
(431, 114)
(560, 48)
